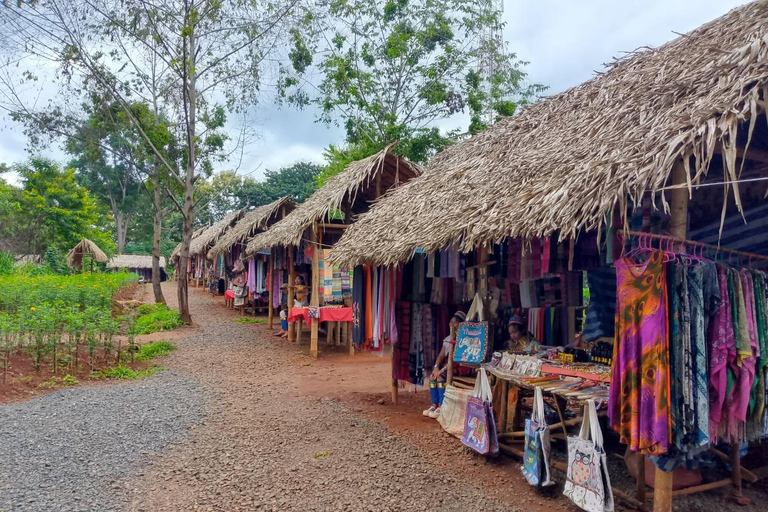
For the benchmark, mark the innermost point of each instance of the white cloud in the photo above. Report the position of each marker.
(565, 40)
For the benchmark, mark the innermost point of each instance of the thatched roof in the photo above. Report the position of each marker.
(177, 251)
(133, 261)
(85, 248)
(202, 243)
(252, 222)
(563, 163)
(353, 188)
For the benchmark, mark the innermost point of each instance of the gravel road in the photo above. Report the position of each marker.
(72, 450)
(263, 446)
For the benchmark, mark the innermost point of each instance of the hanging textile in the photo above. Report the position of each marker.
(601, 313)
(358, 308)
(401, 349)
(251, 281)
(369, 305)
(416, 352)
(638, 406)
(722, 343)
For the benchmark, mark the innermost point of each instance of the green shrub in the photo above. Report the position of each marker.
(124, 373)
(156, 318)
(7, 261)
(154, 349)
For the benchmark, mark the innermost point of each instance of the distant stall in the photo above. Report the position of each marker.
(140, 264)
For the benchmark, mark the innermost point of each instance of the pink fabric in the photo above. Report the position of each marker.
(251, 283)
(722, 338)
(326, 314)
(229, 294)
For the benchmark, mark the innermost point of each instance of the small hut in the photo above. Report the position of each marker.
(85, 248)
(310, 231)
(140, 264)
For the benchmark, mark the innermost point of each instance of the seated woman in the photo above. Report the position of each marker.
(439, 372)
(520, 340)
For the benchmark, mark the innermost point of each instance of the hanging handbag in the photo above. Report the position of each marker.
(588, 485)
(537, 444)
(479, 427)
(473, 345)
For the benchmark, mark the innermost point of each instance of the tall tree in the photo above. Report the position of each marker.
(106, 150)
(391, 69)
(214, 52)
(57, 212)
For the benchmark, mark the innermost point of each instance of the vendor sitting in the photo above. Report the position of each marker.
(439, 372)
(520, 340)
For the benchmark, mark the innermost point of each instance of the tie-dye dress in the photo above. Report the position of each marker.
(638, 407)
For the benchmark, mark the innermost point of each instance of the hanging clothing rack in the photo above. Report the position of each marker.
(694, 243)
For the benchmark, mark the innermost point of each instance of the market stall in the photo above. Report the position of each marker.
(230, 248)
(619, 179)
(301, 243)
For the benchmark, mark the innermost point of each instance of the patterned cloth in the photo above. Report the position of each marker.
(638, 406)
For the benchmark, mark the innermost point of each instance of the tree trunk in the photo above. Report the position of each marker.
(190, 98)
(157, 231)
(122, 228)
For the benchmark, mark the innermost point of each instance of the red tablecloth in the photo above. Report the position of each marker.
(326, 314)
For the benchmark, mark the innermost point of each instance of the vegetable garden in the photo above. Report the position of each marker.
(61, 327)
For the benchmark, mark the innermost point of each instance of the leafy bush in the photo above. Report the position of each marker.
(155, 349)
(19, 292)
(154, 318)
(7, 262)
(124, 373)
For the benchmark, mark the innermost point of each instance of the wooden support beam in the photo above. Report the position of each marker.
(315, 300)
(291, 292)
(270, 286)
(330, 225)
(678, 227)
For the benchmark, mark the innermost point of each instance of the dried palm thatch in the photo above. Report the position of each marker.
(139, 261)
(252, 222)
(177, 251)
(202, 243)
(353, 188)
(85, 248)
(562, 164)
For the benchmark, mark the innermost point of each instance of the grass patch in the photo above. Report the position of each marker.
(251, 320)
(155, 318)
(154, 349)
(124, 373)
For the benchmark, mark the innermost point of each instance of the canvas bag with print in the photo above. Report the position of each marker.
(479, 427)
(588, 485)
(537, 444)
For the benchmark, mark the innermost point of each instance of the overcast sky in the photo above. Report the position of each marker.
(565, 41)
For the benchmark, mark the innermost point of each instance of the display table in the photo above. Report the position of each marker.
(326, 314)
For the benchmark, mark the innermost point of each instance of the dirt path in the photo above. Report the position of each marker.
(273, 437)
(285, 432)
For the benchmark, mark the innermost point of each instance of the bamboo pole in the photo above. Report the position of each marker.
(291, 289)
(315, 301)
(270, 286)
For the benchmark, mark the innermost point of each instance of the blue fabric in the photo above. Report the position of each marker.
(284, 325)
(434, 394)
(601, 314)
(440, 395)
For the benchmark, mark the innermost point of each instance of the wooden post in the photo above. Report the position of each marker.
(449, 376)
(640, 494)
(315, 293)
(291, 290)
(736, 494)
(678, 228)
(503, 413)
(270, 286)
(394, 388)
